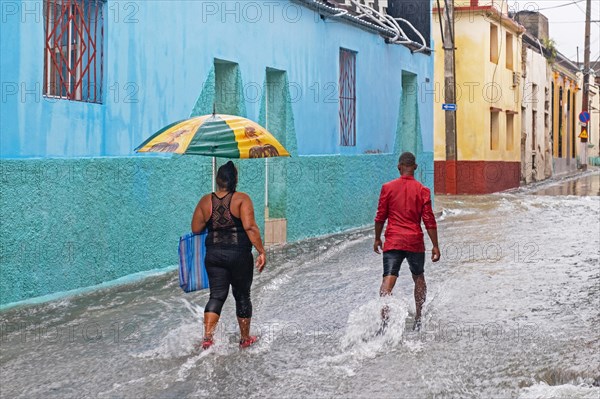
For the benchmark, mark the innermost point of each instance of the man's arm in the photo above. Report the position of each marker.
(378, 243)
(435, 251)
(380, 218)
(431, 225)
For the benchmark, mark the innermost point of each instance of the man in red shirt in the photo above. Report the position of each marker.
(404, 202)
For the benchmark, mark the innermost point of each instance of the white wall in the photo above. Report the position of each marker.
(594, 126)
(536, 158)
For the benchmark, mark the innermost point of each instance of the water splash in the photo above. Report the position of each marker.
(178, 342)
(451, 213)
(196, 310)
(191, 363)
(364, 323)
(364, 337)
(545, 391)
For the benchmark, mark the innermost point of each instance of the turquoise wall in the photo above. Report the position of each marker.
(79, 208)
(70, 223)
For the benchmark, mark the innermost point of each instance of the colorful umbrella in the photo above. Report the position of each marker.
(215, 135)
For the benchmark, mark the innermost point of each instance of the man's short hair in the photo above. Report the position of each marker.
(407, 159)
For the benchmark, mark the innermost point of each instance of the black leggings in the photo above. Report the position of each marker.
(227, 267)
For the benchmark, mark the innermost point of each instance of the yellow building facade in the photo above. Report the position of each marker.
(566, 106)
(488, 98)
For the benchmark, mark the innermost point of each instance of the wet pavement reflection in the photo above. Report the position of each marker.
(585, 186)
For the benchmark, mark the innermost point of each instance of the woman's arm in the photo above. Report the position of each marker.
(247, 216)
(198, 222)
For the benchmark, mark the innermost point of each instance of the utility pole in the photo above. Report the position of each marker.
(586, 82)
(449, 44)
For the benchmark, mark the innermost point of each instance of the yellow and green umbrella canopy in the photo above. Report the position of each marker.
(215, 135)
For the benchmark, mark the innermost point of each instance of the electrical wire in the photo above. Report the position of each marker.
(386, 21)
(561, 5)
(501, 42)
(568, 22)
(450, 27)
(595, 63)
(439, 9)
(585, 12)
(374, 19)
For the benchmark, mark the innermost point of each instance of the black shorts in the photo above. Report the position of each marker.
(392, 260)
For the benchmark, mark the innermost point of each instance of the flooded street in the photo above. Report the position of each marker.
(511, 312)
(585, 186)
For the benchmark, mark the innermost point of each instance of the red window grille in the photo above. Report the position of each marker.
(73, 56)
(347, 98)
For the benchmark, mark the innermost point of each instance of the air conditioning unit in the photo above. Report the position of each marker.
(516, 79)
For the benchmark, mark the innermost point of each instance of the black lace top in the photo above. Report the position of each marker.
(224, 229)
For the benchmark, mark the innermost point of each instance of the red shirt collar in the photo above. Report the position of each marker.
(407, 177)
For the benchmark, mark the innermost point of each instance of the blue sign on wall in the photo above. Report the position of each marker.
(449, 107)
(584, 117)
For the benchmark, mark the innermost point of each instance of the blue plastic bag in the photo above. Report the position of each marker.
(192, 271)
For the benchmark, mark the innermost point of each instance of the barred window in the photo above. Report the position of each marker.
(73, 54)
(347, 98)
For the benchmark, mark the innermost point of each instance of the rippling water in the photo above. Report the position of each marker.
(512, 311)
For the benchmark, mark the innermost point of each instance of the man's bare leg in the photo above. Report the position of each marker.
(420, 294)
(387, 285)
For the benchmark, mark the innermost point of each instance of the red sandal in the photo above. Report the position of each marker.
(207, 343)
(244, 343)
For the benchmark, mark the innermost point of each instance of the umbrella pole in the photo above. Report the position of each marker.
(266, 188)
(214, 160)
(267, 159)
(214, 173)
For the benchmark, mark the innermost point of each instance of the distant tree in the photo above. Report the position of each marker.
(551, 52)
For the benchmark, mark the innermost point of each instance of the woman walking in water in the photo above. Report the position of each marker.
(228, 216)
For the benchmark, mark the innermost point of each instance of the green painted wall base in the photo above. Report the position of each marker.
(594, 161)
(72, 223)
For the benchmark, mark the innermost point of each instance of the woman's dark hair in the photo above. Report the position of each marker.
(227, 177)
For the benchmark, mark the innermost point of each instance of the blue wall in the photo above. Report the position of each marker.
(83, 209)
(159, 54)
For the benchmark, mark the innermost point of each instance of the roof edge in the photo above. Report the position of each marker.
(340, 13)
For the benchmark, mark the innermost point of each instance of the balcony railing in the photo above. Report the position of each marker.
(499, 5)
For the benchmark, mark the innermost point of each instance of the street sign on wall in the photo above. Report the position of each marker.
(449, 107)
(584, 117)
